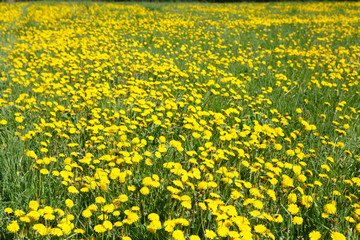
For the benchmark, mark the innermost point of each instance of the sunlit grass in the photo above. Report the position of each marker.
(179, 121)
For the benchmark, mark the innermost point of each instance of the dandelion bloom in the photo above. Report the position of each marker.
(287, 181)
(314, 235)
(56, 232)
(210, 234)
(330, 208)
(69, 203)
(99, 228)
(86, 213)
(178, 235)
(93, 207)
(260, 228)
(100, 200)
(153, 217)
(33, 205)
(194, 237)
(73, 190)
(13, 227)
(337, 236)
(79, 230)
(292, 198)
(154, 226)
(49, 216)
(108, 225)
(41, 229)
(222, 231)
(19, 213)
(306, 200)
(8, 210)
(118, 224)
(278, 218)
(297, 220)
(293, 209)
(144, 191)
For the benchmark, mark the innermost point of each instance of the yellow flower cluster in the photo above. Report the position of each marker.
(184, 121)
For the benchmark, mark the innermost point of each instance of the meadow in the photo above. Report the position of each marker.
(179, 121)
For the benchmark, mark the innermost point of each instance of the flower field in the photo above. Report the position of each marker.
(179, 121)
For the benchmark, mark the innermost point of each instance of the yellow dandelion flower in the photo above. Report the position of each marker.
(290, 152)
(8, 210)
(169, 225)
(144, 191)
(69, 203)
(25, 219)
(31, 154)
(287, 181)
(222, 231)
(182, 221)
(19, 119)
(100, 200)
(337, 236)
(99, 228)
(118, 224)
(33, 205)
(278, 218)
(41, 229)
(19, 213)
(186, 204)
(297, 220)
(178, 235)
(202, 206)
(108, 208)
(306, 200)
(293, 209)
(330, 208)
(79, 230)
(260, 229)
(86, 213)
(13, 227)
(56, 232)
(73, 190)
(49, 216)
(210, 234)
(315, 235)
(195, 237)
(108, 225)
(33, 215)
(153, 217)
(278, 146)
(93, 207)
(301, 178)
(258, 204)
(154, 226)
(162, 139)
(135, 208)
(357, 227)
(44, 171)
(271, 194)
